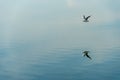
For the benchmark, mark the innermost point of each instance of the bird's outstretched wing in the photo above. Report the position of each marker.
(84, 16)
(88, 17)
(88, 56)
(86, 52)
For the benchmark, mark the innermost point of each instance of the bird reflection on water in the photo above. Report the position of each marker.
(86, 54)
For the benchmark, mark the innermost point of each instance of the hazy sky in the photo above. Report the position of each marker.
(31, 20)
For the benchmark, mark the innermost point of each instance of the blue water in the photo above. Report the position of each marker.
(65, 64)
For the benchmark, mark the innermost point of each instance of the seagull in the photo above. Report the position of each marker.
(86, 18)
(86, 54)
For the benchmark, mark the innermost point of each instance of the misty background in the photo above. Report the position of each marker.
(44, 39)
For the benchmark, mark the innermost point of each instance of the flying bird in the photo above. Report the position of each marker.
(86, 54)
(86, 18)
